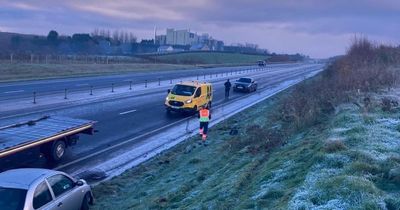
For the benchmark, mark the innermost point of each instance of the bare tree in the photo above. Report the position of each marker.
(95, 32)
(115, 35)
(132, 38)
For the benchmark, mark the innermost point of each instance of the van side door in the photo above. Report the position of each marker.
(209, 93)
(197, 99)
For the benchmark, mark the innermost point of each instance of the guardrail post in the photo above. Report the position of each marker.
(145, 83)
(65, 93)
(204, 76)
(112, 87)
(170, 81)
(91, 90)
(130, 85)
(34, 97)
(159, 81)
(197, 76)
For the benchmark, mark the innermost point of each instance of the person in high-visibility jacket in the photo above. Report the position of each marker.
(204, 117)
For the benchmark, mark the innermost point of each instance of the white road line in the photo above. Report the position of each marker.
(14, 91)
(127, 112)
(81, 85)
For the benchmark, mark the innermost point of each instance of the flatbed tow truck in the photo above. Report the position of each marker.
(47, 136)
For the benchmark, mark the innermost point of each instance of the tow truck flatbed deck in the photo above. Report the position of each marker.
(14, 138)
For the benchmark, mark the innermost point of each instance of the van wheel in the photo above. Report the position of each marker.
(209, 105)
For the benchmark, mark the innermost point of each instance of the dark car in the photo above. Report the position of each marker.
(245, 84)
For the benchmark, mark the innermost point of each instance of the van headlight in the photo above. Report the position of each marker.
(188, 101)
(167, 99)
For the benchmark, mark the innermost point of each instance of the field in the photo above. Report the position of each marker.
(199, 58)
(350, 160)
(25, 71)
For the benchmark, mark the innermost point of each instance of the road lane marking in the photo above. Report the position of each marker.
(14, 91)
(127, 112)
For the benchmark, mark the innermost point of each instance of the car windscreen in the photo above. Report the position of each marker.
(183, 90)
(245, 80)
(12, 199)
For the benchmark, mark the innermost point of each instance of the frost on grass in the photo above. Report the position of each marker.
(274, 183)
(331, 184)
(303, 197)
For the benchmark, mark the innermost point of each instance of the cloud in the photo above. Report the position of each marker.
(21, 6)
(139, 10)
(315, 27)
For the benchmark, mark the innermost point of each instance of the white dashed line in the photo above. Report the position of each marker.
(14, 91)
(127, 112)
(81, 85)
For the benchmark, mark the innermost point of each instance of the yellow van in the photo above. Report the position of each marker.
(189, 97)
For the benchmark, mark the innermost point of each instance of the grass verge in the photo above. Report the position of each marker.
(322, 144)
(189, 60)
(207, 58)
(345, 162)
(21, 71)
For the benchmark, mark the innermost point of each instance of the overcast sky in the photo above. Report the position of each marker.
(319, 28)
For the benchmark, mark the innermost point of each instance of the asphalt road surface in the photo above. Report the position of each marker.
(50, 86)
(127, 117)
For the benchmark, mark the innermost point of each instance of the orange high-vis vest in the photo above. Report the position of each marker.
(204, 115)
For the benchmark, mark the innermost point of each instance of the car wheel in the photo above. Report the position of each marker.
(87, 200)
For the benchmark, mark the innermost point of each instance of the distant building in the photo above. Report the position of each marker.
(181, 37)
(126, 48)
(105, 46)
(186, 38)
(200, 47)
(165, 49)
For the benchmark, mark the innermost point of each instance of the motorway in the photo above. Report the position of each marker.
(15, 90)
(120, 119)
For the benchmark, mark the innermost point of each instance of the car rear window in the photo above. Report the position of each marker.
(245, 80)
(12, 199)
(183, 90)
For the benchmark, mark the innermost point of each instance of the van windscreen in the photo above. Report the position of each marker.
(183, 90)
